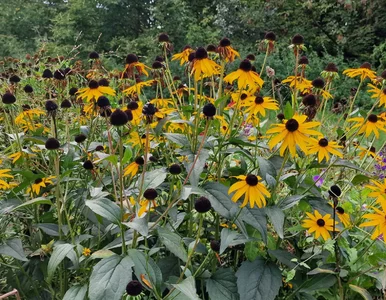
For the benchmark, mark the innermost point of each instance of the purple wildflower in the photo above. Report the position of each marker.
(318, 180)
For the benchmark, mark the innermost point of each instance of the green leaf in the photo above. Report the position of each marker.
(178, 138)
(49, 228)
(187, 190)
(139, 224)
(360, 178)
(230, 238)
(59, 253)
(256, 217)
(267, 170)
(76, 292)
(188, 288)
(276, 216)
(13, 248)
(109, 278)
(219, 198)
(127, 155)
(290, 201)
(173, 242)
(222, 285)
(153, 178)
(364, 293)
(288, 112)
(318, 282)
(146, 266)
(105, 208)
(103, 253)
(240, 142)
(198, 166)
(258, 280)
(36, 201)
(221, 99)
(284, 257)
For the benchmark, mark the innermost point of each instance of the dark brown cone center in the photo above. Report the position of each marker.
(292, 125)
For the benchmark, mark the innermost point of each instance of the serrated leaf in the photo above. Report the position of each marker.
(188, 288)
(364, 293)
(109, 278)
(173, 243)
(147, 266)
(222, 285)
(76, 292)
(13, 248)
(106, 209)
(59, 253)
(258, 280)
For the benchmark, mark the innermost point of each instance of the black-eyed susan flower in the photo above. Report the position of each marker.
(40, 183)
(202, 66)
(324, 148)
(202, 205)
(378, 190)
(16, 156)
(269, 42)
(378, 94)
(134, 288)
(377, 219)
(94, 91)
(372, 125)
(136, 109)
(245, 76)
(3, 174)
(135, 139)
(132, 64)
(253, 190)
(182, 90)
(132, 169)
(258, 104)
(343, 216)
(302, 84)
(292, 133)
(252, 119)
(137, 87)
(330, 72)
(364, 71)
(162, 102)
(183, 56)
(319, 225)
(148, 202)
(226, 51)
(367, 152)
